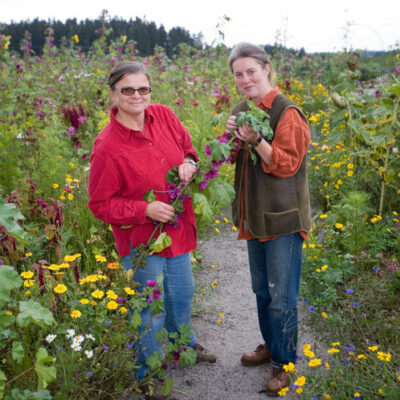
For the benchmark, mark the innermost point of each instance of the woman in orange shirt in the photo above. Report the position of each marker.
(271, 208)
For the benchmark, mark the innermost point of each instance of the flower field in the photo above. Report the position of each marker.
(65, 302)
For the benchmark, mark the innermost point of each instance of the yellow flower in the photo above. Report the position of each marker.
(60, 288)
(129, 291)
(123, 310)
(218, 321)
(76, 314)
(112, 305)
(98, 294)
(289, 367)
(55, 185)
(380, 391)
(72, 258)
(93, 303)
(309, 354)
(27, 274)
(217, 221)
(307, 347)
(70, 196)
(361, 356)
(324, 267)
(234, 228)
(315, 362)
(373, 348)
(217, 230)
(212, 266)
(324, 315)
(300, 381)
(64, 265)
(350, 173)
(338, 225)
(327, 366)
(323, 216)
(335, 344)
(62, 197)
(226, 220)
(100, 258)
(311, 245)
(214, 284)
(29, 283)
(299, 390)
(384, 356)
(357, 395)
(350, 166)
(123, 38)
(398, 378)
(283, 391)
(112, 295)
(221, 314)
(28, 254)
(333, 350)
(318, 270)
(326, 397)
(75, 38)
(339, 181)
(113, 265)
(28, 293)
(84, 301)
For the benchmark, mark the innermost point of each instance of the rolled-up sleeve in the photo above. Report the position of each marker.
(290, 144)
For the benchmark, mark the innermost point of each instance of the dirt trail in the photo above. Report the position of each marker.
(237, 332)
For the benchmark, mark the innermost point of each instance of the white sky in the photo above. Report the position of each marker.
(316, 25)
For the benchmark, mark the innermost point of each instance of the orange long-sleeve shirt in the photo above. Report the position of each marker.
(290, 144)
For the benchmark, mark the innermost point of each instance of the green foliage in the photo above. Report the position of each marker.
(9, 215)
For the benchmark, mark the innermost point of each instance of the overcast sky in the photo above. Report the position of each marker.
(316, 25)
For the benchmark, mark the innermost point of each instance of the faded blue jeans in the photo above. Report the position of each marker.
(178, 290)
(275, 268)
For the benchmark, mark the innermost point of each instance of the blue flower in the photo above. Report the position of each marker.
(311, 308)
(349, 291)
(355, 303)
(89, 373)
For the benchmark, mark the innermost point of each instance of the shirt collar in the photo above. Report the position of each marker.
(266, 102)
(123, 131)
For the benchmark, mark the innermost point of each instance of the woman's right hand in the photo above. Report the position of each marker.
(231, 124)
(159, 211)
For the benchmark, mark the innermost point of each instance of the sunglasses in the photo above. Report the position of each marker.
(129, 91)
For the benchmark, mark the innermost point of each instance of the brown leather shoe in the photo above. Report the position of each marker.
(257, 357)
(277, 382)
(203, 355)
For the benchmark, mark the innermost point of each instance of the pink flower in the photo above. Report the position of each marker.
(151, 283)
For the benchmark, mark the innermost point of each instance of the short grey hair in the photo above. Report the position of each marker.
(125, 68)
(245, 49)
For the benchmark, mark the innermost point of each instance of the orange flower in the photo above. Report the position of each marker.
(113, 265)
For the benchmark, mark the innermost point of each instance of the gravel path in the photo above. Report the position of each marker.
(237, 332)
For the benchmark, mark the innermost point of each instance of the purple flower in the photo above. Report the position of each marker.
(100, 31)
(207, 150)
(105, 348)
(121, 300)
(151, 283)
(203, 185)
(164, 366)
(217, 164)
(311, 308)
(81, 120)
(89, 373)
(173, 191)
(70, 131)
(211, 173)
(156, 293)
(150, 299)
(349, 291)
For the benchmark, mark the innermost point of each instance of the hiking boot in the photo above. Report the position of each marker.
(277, 382)
(257, 357)
(203, 355)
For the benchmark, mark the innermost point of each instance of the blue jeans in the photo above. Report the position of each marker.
(178, 285)
(275, 268)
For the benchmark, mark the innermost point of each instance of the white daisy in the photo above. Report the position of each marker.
(70, 333)
(50, 338)
(91, 337)
(79, 339)
(89, 353)
(76, 346)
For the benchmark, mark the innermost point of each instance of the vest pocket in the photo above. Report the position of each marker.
(282, 223)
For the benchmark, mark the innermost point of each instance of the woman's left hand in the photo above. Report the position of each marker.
(186, 171)
(247, 134)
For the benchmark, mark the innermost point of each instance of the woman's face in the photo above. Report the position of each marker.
(134, 104)
(251, 78)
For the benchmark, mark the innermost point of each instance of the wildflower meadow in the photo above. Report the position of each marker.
(68, 312)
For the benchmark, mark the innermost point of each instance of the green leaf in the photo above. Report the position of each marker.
(17, 394)
(45, 370)
(224, 192)
(136, 319)
(149, 196)
(18, 352)
(154, 361)
(162, 242)
(32, 312)
(3, 380)
(9, 280)
(173, 175)
(188, 357)
(9, 215)
(201, 206)
(217, 118)
(219, 150)
(169, 383)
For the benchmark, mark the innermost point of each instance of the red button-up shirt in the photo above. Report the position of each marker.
(125, 164)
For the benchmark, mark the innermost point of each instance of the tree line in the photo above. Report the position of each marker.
(147, 35)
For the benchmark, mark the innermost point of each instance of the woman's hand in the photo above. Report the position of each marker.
(247, 134)
(159, 211)
(231, 124)
(186, 171)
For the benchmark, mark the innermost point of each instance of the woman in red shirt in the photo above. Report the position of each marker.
(271, 208)
(130, 157)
